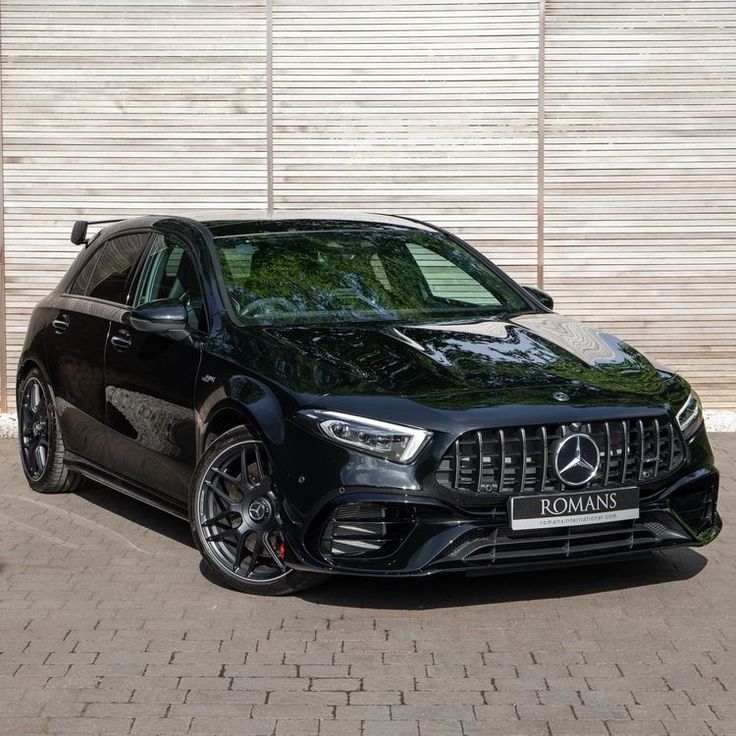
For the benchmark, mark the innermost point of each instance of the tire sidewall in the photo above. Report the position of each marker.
(35, 374)
(291, 581)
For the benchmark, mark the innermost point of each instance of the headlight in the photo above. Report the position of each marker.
(393, 441)
(690, 417)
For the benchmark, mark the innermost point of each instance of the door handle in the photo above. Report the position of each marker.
(121, 341)
(61, 323)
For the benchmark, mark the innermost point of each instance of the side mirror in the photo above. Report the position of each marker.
(163, 316)
(541, 296)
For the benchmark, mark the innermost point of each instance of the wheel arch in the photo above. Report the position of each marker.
(223, 417)
(25, 365)
(238, 399)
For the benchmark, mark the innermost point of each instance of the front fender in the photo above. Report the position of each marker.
(224, 390)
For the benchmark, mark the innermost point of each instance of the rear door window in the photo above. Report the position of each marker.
(112, 268)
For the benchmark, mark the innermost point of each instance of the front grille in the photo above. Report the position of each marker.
(519, 459)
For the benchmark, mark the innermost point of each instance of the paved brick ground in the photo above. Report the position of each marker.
(108, 626)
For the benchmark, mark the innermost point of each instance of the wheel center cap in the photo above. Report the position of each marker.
(259, 510)
(37, 428)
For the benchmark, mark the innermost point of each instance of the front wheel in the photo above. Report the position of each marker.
(234, 509)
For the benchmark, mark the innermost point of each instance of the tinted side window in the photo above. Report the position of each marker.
(114, 267)
(170, 273)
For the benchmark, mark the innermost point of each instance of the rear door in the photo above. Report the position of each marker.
(76, 338)
(150, 379)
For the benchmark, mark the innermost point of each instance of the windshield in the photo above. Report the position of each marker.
(356, 272)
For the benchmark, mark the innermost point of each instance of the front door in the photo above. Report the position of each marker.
(150, 378)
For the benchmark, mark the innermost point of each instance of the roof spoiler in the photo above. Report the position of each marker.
(79, 231)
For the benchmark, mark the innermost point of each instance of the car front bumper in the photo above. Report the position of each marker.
(389, 532)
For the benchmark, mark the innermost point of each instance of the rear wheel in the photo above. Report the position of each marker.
(41, 444)
(235, 514)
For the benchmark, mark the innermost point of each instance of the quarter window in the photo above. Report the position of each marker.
(79, 285)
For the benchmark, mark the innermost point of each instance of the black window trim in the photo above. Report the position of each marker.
(96, 253)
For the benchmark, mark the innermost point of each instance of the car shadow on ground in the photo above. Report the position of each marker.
(446, 590)
(138, 512)
(452, 590)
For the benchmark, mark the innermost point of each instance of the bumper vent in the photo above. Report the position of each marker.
(366, 529)
(696, 505)
(520, 459)
(499, 547)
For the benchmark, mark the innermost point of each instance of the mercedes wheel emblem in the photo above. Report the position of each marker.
(576, 459)
(259, 510)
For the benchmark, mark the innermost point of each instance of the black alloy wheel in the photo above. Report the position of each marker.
(236, 520)
(41, 445)
(34, 429)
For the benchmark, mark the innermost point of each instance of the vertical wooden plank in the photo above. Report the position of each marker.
(4, 367)
(269, 106)
(540, 148)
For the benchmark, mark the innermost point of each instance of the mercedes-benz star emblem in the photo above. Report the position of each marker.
(576, 459)
(560, 396)
(259, 509)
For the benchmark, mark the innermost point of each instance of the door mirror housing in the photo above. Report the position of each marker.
(541, 296)
(163, 317)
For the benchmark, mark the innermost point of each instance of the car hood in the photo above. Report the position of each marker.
(524, 359)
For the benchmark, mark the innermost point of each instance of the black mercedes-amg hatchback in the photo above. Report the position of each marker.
(353, 394)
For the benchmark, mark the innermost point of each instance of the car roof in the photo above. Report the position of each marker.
(250, 221)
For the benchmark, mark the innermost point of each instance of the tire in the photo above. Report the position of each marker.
(234, 512)
(40, 442)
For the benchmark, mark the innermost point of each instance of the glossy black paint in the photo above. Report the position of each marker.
(161, 317)
(138, 406)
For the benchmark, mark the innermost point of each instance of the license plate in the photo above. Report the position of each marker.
(573, 509)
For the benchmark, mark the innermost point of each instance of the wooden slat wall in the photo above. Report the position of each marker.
(120, 107)
(412, 107)
(640, 177)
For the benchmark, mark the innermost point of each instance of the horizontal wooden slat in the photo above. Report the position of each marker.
(412, 107)
(122, 108)
(415, 107)
(640, 165)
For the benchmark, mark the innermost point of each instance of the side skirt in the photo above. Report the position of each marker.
(123, 485)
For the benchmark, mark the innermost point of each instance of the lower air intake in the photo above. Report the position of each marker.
(366, 530)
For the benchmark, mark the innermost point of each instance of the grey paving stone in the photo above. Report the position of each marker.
(107, 626)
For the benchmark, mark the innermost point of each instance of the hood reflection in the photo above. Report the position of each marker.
(487, 358)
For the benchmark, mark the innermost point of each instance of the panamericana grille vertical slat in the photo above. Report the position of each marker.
(524, 457)
(480, 460)
(502, 460)
(545, 456)
(670, 428)
(625, 462)
(457, 464)
(519, 459)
